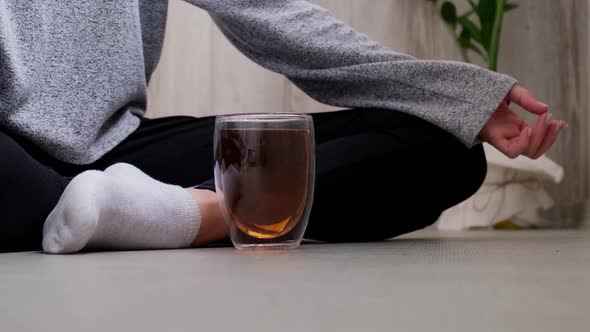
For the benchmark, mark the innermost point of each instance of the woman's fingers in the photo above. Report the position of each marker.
(514, 123)
(525, 99)
(537, 135)
(510, 134)
(553, 131)
(516, 146)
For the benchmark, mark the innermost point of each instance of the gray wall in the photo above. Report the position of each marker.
(545, 45)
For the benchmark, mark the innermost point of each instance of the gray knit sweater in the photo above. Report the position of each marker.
(73, 74)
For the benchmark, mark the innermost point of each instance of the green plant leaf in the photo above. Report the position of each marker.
(510, 6)
(486, 11)
(472, 4)
(477, 50)
(464, 38)
(473, 29)
(449, 13)
(469, 13)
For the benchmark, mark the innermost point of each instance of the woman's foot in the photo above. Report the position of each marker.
(121, 208)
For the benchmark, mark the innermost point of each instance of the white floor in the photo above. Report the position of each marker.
(483, 281)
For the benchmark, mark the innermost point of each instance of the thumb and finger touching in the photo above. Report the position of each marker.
(531, 142)
(525, 99)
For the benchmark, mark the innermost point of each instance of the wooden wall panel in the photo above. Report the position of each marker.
(182, 83)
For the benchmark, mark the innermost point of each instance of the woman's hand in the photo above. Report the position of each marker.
(509, 133)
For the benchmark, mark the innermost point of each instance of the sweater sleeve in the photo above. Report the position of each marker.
(337, 66)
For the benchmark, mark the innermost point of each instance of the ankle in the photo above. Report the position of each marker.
(212, 225)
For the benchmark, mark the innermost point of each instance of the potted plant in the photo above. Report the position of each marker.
(478, 30)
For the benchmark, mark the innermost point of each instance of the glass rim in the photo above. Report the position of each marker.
(262, 117)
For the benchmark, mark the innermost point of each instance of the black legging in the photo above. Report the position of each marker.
(380, 173)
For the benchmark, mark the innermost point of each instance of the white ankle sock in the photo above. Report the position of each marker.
(121, 208)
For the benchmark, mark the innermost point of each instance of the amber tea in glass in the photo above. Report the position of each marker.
(264, 177)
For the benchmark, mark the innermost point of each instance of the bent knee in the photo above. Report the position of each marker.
(477, 165)
(469, 173)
